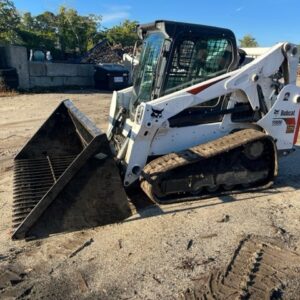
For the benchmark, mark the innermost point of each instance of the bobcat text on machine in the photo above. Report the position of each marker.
(197, 120)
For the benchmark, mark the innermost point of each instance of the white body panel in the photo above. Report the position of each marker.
(283, 118)
(150, 133)
(255, 51)
(167, 140)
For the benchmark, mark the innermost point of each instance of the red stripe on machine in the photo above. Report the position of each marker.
(297, 129)
(290, 121)
(290, 125)
(201, 88)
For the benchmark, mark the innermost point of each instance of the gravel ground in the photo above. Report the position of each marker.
(160, 251)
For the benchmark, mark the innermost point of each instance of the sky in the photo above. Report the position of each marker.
(269, 21)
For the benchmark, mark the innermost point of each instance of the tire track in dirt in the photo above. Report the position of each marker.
(257, 270)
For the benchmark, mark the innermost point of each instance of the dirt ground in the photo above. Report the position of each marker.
(240, 245)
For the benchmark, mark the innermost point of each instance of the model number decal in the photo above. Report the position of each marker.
(277, 122)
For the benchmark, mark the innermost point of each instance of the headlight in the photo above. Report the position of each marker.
(139, 114)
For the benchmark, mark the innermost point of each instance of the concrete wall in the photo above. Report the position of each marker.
(16, 57)
(45, 74)
(60, 75)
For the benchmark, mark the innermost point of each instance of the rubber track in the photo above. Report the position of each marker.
(163, 164)
(257, 270)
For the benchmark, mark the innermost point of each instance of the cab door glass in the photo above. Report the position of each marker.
(195, 60)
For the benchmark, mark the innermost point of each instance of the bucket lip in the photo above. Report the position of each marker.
(84, 120)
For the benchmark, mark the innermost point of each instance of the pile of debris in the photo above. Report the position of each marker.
(103, 52)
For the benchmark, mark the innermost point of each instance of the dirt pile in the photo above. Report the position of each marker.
(103, 52)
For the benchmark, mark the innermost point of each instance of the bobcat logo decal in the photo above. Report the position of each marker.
(157, 113)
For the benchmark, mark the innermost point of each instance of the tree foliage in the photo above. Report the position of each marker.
(39, 31)
(75, 31)
(248, 41)
(66, 31)
(124, 34)
(9, 21)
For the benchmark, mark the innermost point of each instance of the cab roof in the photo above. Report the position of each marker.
(173, 28)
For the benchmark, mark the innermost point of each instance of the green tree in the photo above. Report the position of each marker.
(66, 31)
(248, 41)
(9, 21)
(124, 34)
(38, 31)
(76, 33)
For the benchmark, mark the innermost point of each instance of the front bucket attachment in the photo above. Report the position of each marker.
(65, 178)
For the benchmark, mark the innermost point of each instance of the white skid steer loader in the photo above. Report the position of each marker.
(196, 121)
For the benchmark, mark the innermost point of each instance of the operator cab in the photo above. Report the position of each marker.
(177, 55)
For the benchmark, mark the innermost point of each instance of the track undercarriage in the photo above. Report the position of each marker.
(242, 160)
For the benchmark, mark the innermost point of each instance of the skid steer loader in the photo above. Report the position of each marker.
(197, 120)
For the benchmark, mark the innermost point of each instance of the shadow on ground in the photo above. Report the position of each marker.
(142, 207)
(288, 178)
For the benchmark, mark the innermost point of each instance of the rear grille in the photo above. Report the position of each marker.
(32, 180)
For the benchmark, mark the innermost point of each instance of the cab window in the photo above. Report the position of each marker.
(196, 60)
